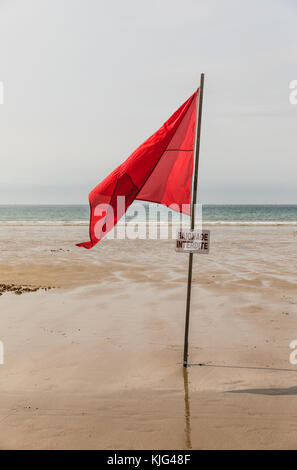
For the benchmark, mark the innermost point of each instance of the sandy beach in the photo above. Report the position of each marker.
(95, 361)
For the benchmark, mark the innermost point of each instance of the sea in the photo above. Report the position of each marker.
(141, 213)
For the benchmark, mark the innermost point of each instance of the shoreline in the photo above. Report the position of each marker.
(222, 223)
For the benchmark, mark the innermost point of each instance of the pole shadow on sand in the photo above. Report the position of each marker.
(257, 391)
(268, 391)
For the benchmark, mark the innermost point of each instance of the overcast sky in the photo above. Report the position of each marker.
(86, 81)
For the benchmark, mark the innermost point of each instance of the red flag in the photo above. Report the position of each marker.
(160, 171)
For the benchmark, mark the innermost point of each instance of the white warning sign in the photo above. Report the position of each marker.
(193, 241)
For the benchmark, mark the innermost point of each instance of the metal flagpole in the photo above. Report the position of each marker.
(193, 205)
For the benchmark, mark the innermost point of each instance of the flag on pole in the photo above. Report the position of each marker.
(159, 171)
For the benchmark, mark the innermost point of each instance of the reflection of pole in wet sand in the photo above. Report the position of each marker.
(187, 410)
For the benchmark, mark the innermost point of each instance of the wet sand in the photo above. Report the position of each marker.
(95, 362)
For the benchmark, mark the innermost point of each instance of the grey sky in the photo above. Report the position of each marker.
(86, 81)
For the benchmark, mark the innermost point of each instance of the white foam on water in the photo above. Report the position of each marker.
(72, 223)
